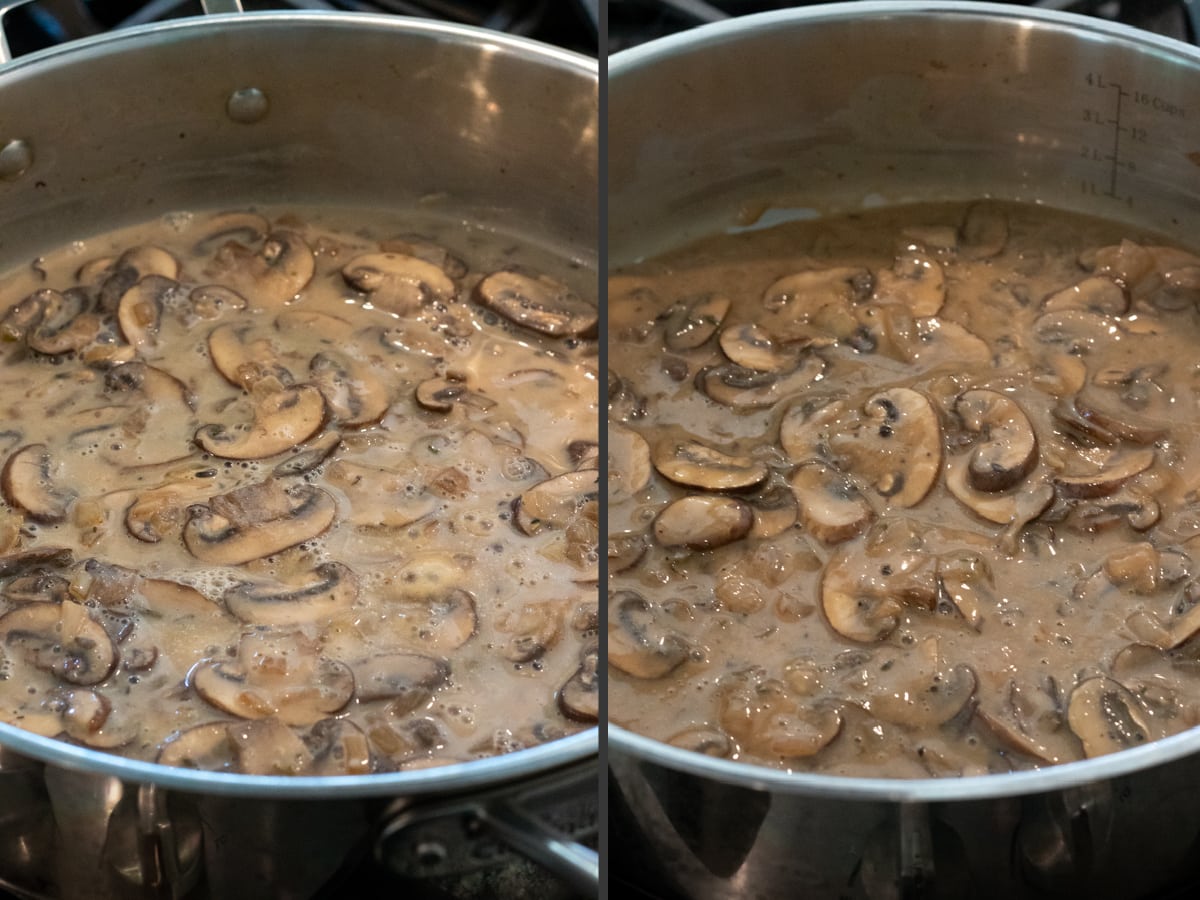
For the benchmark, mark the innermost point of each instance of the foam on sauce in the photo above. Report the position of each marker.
(264, 482)
(907, 493)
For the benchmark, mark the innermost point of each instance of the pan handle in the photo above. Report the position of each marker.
(545, 819)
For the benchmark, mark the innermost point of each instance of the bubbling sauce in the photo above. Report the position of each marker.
(909, 493)
(299, 493)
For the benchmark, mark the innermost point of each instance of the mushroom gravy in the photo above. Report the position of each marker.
(299, 494)
(908, 493)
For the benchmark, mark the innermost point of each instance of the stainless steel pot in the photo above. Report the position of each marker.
(357, 111)
(833, 108)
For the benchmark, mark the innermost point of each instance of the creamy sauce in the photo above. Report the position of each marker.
(274, 493)
(907, 493)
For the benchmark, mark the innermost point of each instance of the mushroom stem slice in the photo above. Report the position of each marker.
(282, 420)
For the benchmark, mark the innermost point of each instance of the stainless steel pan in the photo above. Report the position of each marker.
(833, 108)
(304, 109)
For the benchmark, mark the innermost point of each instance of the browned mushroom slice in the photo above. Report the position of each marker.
(430, 251)
(537, 302)
(406, 679)
(579, 698)
(765, 719)
(1009, 451)
(331, 589)
(310, 456)
(812, 295)
(268, 747)
(88, 717)
(226, 226)
(131, 267)
(983, 233)
(694, 464)
(864, 593)
(27, 314)
(277, 674)
(177, 602)
(269, 277)
(40, 587)
(744, 389)
(535, 628)
(66, 326)
(751, 347)
(27, 482)
(22, 561)
(556, 502)
(831, 507)
(397, 282)
(338, 747)
(60, 638)
(1016, 508)
(704, 739)
(896, 446)
(162, 511)
(208, 747)
(355, 395)
(1032, 721)
(703, 522)
(805, 428)
(438, 612)
(1119, 468)
(1097, 294)
(916, 281)
(282, 420)
(690, 323)
(440, 394)
(1107, 410)
(243, 364)
(638, 644)
(628, 462)
(775, 510)
(1106, 717)
(625, 551)
(1127, 263)
(916, 687)
(160, 411)
(256, 521)
(139, 311)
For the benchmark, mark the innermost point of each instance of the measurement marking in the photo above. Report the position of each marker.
(1116, 151)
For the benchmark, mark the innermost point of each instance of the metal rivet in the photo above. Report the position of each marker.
(247, 106)
(15, 157)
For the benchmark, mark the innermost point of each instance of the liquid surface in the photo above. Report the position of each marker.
(298, 494)
(908, 493)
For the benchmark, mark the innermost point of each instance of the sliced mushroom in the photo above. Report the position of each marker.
(703, 522)
(66, 326)
(22, 561)
(1096, 294)
(1127, 263)
(356, 397)
(442, 393)
(864, 595)
(629, 464)
(397, 282)
(537, 302)
(88, 717)
(159, 411)
(277, 674)
(804, 430)
(245, 364)
(131, 267)
(1106, 717)
(775, 509)
(177, 602)
(691, 323)
(310, 456)
(555, 503)
(208, 747)
(1009, 451)
(430, 251)
(1077, 331)
(638, 644)
(694, 464)
(256, 521)
(1016, 508)
(406, 679)
(226, 226)
(282, 420)
(535, 628)
(765, 719)
(269, 277)
(27, 314)
(745, 389)
(823, 296)
(139, 311)
(60, 638)
(268, 747)
(916, 688)
(983, 233)
(1107, 410)
(441, 616)
(332, 589)
(831, 507)
(1034, 722)
(40, 587)
(579, 698)
(704, 739)
(161, 511)
(752, 347)
(916, 281)
(1119, 468)
(338, 747)
(28, 483)
(896, 445)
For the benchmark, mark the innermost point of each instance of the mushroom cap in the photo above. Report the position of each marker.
(556, 502)
(1009, 451)
(243, 364)
(537, 302)
(831, 508)
(703, 521)
(407, 679)
(398, 282)
(28, 484)
(282, 420)
(692, 463)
